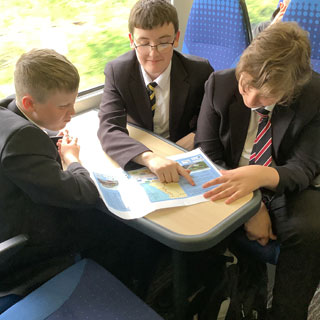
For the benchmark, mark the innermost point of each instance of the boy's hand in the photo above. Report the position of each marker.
(239, 182)
(69, 149)
(187, 142)
(259, 227)
(165, 169)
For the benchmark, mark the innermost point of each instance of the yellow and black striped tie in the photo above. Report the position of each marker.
(152, 96)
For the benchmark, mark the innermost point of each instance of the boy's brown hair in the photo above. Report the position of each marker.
(278, 60)
(148, 14)
(41, 72)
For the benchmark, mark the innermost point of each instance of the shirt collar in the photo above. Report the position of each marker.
(161, 80)
(269, 108)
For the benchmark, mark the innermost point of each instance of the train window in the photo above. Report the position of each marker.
(260, 10)
(88, 32)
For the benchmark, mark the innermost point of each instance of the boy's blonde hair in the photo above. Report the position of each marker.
(41, 72)
(278, 60)
(148, 14)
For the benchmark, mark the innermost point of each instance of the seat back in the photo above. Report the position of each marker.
(9, 248)
(218, 30)
(307, 14)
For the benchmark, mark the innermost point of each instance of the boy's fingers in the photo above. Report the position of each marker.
(186, 175)
(263, 241)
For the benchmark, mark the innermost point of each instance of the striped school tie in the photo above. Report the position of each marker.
(150, 88)
(262, 148)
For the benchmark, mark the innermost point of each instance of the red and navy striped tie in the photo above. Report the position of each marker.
(262, 148)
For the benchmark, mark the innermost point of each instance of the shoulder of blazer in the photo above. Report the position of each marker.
(10, 122)
(124, 67)
(7, 101)
(192, 64)
(192, 69)
(307, 103)
(124, 62)
(13, 125)
(189, 58)
(311, 90)
(224, 84)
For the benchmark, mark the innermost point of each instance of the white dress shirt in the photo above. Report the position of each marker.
(162, 93)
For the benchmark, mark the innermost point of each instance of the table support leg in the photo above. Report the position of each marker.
(180, 287)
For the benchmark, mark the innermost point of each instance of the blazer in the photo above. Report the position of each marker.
(125, 98)
(37, 197)
(224, 120)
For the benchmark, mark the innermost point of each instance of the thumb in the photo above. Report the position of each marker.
(272, 236)
(263, 241)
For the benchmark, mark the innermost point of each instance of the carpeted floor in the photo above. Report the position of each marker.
(160, 297)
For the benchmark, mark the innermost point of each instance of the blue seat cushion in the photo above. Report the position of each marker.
(83, 291)
(7, 301)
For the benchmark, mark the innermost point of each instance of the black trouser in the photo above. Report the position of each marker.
(298, 268)
(296, 222)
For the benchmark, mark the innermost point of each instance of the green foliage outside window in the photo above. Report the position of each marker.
(261, 10)
(88, 32)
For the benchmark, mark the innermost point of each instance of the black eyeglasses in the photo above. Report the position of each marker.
(161, 47)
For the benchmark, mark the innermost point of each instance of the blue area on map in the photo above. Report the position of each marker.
(154, 193)
(199, 177)
(114, 199)
(111, 195)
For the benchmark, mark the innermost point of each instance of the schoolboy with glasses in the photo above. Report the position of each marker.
(176, 93)
(176, 98)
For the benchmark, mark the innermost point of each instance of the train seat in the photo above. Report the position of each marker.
(218, 30)
(307, 14)
(84, 290)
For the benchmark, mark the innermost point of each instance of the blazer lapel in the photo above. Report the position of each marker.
(140, 97)
(239, 123)
(280, 120)
(179, 90)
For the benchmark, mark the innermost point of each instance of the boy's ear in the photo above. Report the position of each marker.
(176, 40)
(27, 103)
(131, 41)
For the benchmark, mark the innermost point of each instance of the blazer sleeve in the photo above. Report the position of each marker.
(29, 161)
(112, 132)
(207, 135)
(303, 161)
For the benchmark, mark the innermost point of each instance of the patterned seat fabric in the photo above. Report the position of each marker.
(307, 14)
(218, 30)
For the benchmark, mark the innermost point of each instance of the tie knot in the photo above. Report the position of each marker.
(152, 85)
(262, 112)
